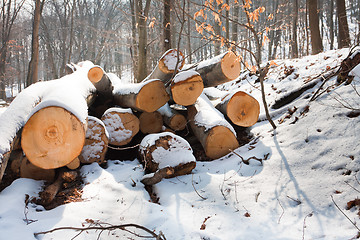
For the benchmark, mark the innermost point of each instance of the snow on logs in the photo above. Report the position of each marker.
(165, 68)
(96, 142)
(121, 124)
(165, 155)
(210, 127)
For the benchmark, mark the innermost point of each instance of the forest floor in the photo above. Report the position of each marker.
(297, 184)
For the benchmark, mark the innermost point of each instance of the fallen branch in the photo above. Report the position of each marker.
(192, 182)
(344, 214)
(123, 227)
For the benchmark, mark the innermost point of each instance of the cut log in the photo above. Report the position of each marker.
(219, 69)
(241, 108)
(186, 87)
(172, 118)
(52, 138)
(151, 122)
(121, 124)
(15, 160)
(167, 64)
(164, 150)
(28, 170)
(96, 142)
(214, 133)
(147, 96)
(95, 74)
(74, 164)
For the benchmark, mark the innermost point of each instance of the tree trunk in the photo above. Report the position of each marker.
(234, 35)
(189, 53)
(214, 133)
(294, 42)
(167, 25)
(343, 36)
(316, 41)
(34, 62)
(331, 24)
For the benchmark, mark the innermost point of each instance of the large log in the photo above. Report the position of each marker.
(219, 69)
(150, 122)
(186, 87)
(165, 151)
(121, 124)
(147, 96)
(241, 108)
(52, 137)
(96, 142)
(214, 133)
(166, 66)
(28, 170)
(172, 118)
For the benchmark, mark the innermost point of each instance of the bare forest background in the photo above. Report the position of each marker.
(38, 38)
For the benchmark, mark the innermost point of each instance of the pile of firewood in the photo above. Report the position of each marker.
(72, 120)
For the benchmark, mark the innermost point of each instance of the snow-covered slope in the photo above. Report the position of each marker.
(312, 157)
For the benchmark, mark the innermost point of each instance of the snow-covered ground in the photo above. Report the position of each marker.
(312, 157)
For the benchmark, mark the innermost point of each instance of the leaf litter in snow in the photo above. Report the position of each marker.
(311, 158)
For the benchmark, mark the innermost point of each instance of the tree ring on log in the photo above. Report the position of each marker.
(230, 66)
(52, 138)
(243, 110)
(95, 74)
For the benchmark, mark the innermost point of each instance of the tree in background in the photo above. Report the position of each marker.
(32, 76)
(8, 13)
(343, 36)
(316, 40)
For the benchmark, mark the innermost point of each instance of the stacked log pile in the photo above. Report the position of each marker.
(72, 120)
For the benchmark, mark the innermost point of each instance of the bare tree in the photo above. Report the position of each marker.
(8, 13)
(316, 40)
(343, 36)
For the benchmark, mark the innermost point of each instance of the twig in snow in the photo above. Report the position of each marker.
(344, 213)
(237, 201)
(257, 196)
(26, 210)
(295, 200)
(282, 211)
(352, 187)
(123, 227)
(192, 182)
(123, 148)
(304, 224)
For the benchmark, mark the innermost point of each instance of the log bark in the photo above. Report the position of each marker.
(186, 87)
(121, 124)
(172, 118)
(49, 193)
(214, 133)
(165, 68)
(241, 108)
(219, 69)
(151, 122)
(165, 150)
(28, 170)
(96, 142)
(147, 96)
(52, 137)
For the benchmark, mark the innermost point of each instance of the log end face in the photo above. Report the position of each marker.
(178, 122)
(151, 122)
(220, 141)
(52, 138)
(95, 74)
(243, 110)
(186, 92)
(152, 96)
(230, 66)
